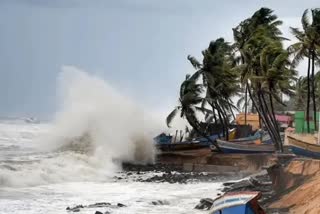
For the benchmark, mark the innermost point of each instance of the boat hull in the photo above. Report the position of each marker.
(181, 146)
(233, 147)
(301, 148)
(237, 203)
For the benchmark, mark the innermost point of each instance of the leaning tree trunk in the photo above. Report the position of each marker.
(268, 121)
(216, 106)
(262, 116)
(275, 121)
(308, 95)
(245, 105)
(226, 121)
(313, 93)
(215, 119)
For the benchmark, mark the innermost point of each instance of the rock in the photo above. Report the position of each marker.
(160, 202)
(121, 205)
(75, 209)
(100, 204)
(205, 204)
(98, 212)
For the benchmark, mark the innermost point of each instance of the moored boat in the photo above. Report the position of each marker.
(266, 139)
(249, 139)
(186, 145)
(244, 148)
(164, 143)
(237, 203)
(303, 148)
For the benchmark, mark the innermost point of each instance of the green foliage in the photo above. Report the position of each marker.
(255, 65)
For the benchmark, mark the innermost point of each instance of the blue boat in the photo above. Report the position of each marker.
(246, 140)
(164, 142)
(163, 139)
(266, 139)
(237, 203)
(244, 148)
(302, 148)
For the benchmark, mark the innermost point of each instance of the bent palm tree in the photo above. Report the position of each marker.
(190, 93)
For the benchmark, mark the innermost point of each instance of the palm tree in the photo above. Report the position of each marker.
(307, 46)
(190, 97)
(220, 81)
(300, 92)
(264, 61)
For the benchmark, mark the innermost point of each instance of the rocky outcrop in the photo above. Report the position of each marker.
(77, 208)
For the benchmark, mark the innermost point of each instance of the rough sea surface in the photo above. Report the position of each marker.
(35, 180)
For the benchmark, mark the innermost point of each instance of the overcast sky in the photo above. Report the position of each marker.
(139, 46)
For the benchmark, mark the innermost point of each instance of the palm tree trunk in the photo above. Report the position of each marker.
(226, 121)
(222, 122)
(268, 120)
(230, 109)
(313, 93)
(275, 121)
(220, 118)
(262, 116)
(245, 105)
(308, 95)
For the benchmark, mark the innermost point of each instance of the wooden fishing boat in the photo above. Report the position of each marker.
(303, 148)
(245, 202)
(244, 148)
(249, 139)
(186, 145)
(266, 139)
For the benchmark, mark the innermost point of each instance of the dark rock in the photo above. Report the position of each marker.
(75, 209)
(121, 205)
(205, 204)
(107, 212)
(98, 212)
(160, 202)
(100, 204)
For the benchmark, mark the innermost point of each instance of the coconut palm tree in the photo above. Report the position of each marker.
(306, 47)
(189, 98)
(220, 81)
(300, 92)
(264, 59)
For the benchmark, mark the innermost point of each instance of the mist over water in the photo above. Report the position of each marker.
(109, 125)
(94, 130)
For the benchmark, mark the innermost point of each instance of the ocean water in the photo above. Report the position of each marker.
(33, 181)
(73, 159)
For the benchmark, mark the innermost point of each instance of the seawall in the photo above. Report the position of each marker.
(297, 187)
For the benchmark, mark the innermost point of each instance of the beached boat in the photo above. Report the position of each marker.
(266, 139)
(185, 145)
(303, 148)
(249, 139)
(244, 148)
(237, 203)
(164, 142)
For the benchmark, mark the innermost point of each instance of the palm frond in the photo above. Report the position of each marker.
(171, 116)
